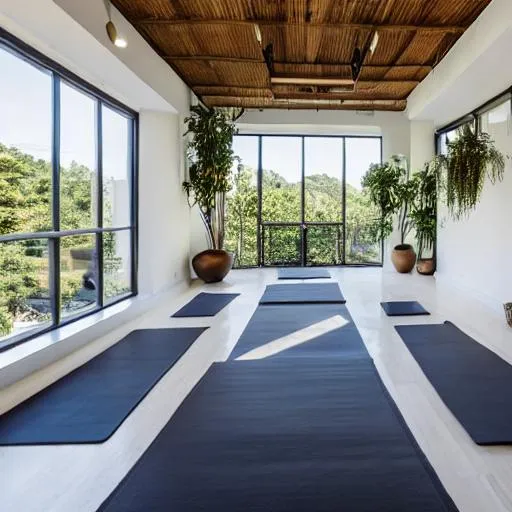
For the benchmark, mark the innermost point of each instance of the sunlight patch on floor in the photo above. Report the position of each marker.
(295, 338)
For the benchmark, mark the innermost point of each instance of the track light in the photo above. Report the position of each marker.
(374, 43)
(118, 41)
(257, 31)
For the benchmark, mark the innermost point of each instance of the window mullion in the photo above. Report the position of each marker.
(99, 201)
(54, 243)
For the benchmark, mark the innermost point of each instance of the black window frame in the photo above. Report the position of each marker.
(259, 232)
(60, 75)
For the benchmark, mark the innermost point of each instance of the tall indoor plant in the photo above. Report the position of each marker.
(423, 215)
(211, 158)
(390, 190)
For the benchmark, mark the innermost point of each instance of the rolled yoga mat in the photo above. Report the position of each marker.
(90, 403)
(403, 308)
(303, 293)
(284, 435)
(300, 330)
(206, 304)
(473, 382)
(302, 273)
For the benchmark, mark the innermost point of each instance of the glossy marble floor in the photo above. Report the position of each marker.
(79, 478)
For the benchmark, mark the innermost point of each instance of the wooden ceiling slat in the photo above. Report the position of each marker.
(213, 46)
(280, 24)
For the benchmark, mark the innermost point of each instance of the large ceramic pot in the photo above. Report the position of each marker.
(403, 258)
(425, 266)
(212, 265)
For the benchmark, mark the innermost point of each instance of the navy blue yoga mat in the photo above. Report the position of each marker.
(90, 403)
(302, 273)
(272, 322)
(206, 304)
(474, 382)
(404, 308)
(303, 293)
(284, 435)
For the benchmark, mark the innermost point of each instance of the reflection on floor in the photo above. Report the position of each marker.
(65, 478)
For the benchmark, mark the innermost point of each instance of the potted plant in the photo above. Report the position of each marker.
(391, 192)
(211, 159)
(470, 157)
(423, 215)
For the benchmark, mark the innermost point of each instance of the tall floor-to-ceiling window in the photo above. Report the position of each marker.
(67, 189)
(297, 200)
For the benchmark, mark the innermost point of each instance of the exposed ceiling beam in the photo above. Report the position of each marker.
(272, 23)
(213, 58)
(310, 80)
(377, 104)
(361, 83)
(411, 67)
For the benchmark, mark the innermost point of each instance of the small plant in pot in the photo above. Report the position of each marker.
(211, 159)
(423, 215)
(391, 192)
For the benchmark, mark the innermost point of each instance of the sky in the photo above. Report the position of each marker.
(323, 155)
(25, 122)
(26, 119)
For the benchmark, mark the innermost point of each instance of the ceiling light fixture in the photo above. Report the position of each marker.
(312, 101)
(116, 39)
(374, 43)
(310, 80)
(258, 33)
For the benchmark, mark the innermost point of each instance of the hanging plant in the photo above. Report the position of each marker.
(470, 158)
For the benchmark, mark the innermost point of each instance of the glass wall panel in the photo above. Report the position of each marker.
(25, 305)
(324, 179)
(242, 204)
(361, 214)
(78, 275)
(78, 177)
(25, 146)
(282, 178)
(117, 264)
(116, 169)
(48, 279)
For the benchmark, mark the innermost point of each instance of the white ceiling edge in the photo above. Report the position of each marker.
(474, 70)
(307, 121)
(139, 57)
(306, 129)
(49, 29)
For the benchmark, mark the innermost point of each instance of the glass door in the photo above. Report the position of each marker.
(323, 200)
(361, 215)
(281, 201)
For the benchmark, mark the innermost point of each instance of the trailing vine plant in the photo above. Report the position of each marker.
(470, 157)
(211, 158)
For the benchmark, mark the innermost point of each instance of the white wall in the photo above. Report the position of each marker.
(474, 253)
(393, 126)
(164, 215)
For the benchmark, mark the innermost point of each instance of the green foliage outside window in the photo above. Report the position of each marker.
(281, 202)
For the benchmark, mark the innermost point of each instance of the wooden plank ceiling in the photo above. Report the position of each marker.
(214, 46)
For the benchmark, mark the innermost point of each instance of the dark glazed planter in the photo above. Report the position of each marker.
(426, 266)
(403, 258)
(212, 265)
